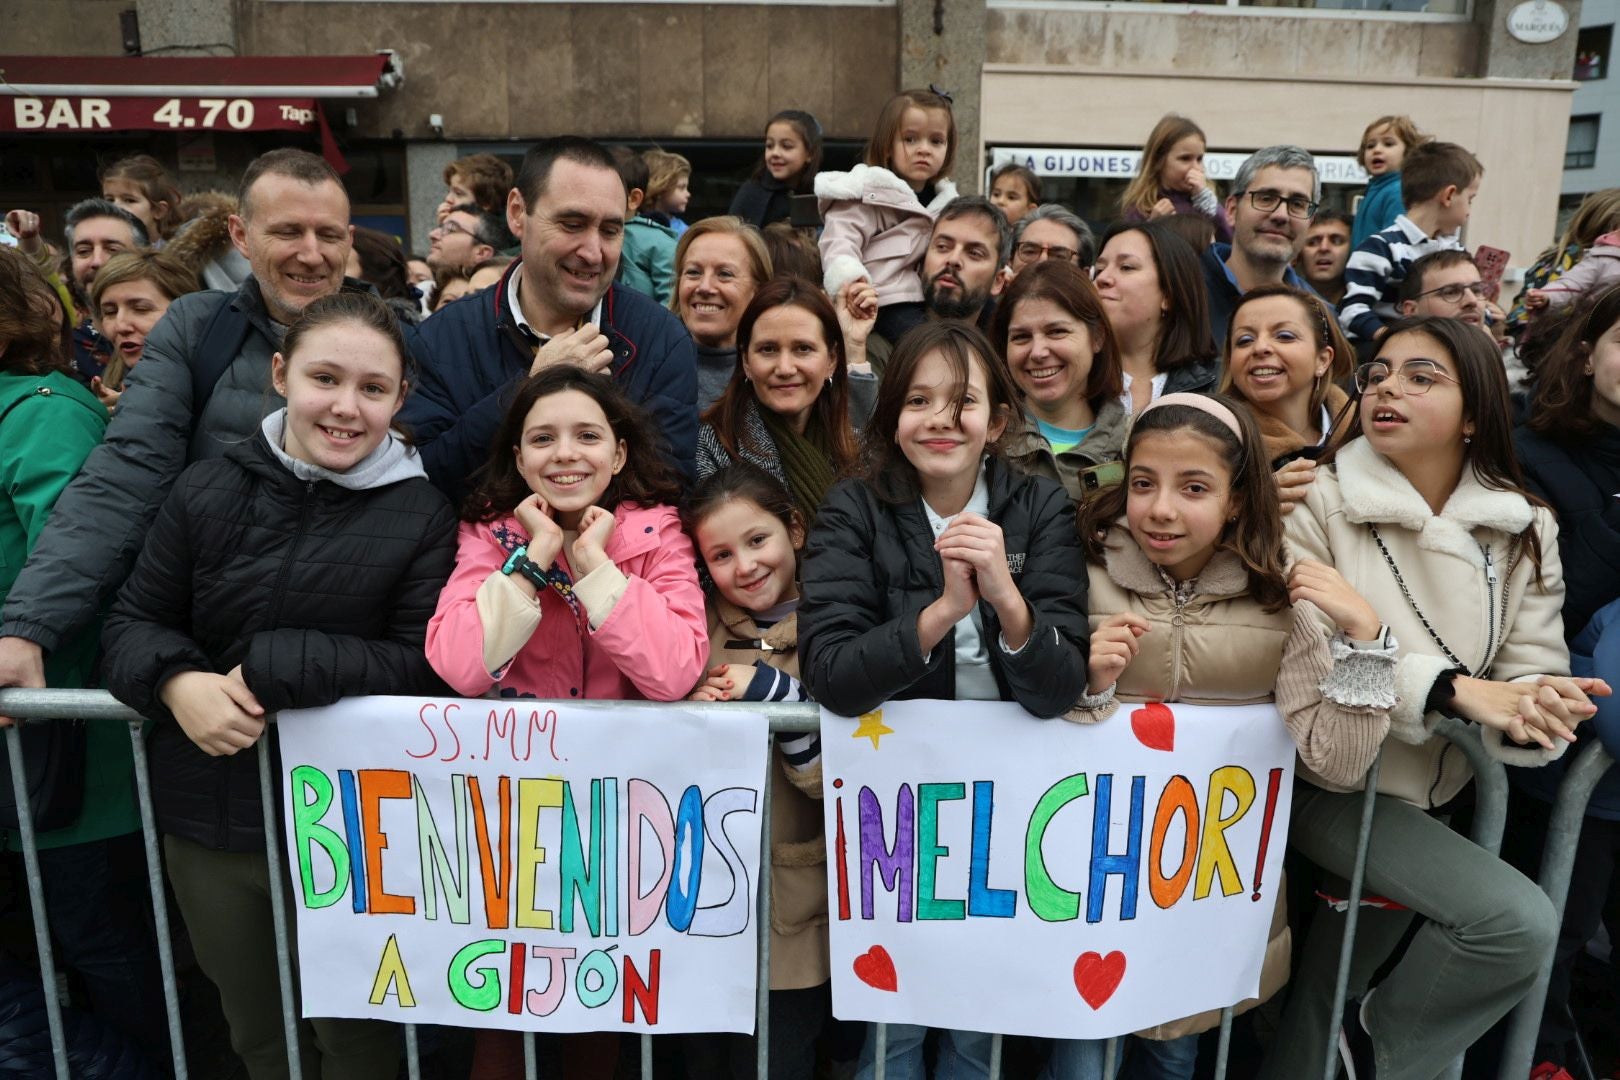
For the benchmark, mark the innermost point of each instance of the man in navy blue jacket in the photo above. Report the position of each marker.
(556, 305)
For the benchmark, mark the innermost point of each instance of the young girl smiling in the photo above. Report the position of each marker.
(943, 572)
(792, 160)
(299, 568)
(750, 534)
(573, 580)
(1191, 604)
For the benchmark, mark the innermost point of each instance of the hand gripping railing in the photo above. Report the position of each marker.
(99, 707)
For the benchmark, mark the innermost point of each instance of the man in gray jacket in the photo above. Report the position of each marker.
(203, 383)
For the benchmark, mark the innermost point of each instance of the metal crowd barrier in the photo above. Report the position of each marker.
(99, 706)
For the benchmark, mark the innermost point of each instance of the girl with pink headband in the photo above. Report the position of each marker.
(1189, 599)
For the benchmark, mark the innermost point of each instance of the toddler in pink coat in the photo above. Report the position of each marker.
(878, 216)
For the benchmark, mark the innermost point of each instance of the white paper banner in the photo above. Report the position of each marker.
(520, 865)
(993, 872)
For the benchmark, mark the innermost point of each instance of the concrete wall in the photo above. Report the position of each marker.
(63, 27)
(497, 71)
(1516, 128)
(1275, 43)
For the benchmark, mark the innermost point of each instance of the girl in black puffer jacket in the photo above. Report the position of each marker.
(944, 573)
(300, 568)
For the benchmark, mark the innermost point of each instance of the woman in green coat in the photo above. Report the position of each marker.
(92, 866)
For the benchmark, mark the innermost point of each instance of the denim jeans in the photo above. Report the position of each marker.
(1150, 1059)
(963, 1055)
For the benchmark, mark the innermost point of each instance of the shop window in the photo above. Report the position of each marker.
(1580, 151)
(1592, 53)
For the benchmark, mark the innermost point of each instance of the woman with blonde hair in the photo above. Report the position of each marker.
(720, 263)
(127, 298)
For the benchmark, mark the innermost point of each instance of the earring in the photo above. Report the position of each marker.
(1467, 439)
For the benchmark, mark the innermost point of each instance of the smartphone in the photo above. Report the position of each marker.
(1492, 263)
(1100, 478)
(804, 212)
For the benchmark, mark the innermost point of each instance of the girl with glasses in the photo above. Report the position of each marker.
(1422, 509)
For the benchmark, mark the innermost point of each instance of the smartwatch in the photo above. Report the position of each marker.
(519, 563)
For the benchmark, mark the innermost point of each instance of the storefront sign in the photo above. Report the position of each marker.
(1537, 22)
(75, 113)
(1114, 164)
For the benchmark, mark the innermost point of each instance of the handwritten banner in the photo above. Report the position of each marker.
(528, 866)
(993, 872)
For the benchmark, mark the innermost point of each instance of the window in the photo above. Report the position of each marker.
(1592, 53)
(1580, 152)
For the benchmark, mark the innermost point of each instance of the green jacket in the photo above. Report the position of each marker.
(647, 263)
(1104, 442)
(48, 426)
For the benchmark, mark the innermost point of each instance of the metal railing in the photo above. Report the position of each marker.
(99, 707)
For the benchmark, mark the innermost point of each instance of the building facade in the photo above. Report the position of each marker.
(1074, 82)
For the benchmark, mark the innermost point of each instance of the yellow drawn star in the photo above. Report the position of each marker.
(872, 727)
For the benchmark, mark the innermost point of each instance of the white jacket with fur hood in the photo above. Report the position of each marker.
(1470, 576)
(874, 227)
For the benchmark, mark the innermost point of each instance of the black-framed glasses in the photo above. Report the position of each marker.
(1453, 293)
(1029, 251)
(451, 225)
(1266, 200)
(1415, 377)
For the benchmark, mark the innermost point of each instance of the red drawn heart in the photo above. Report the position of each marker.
(875, 968)
(1155, 726)
(1097, 976)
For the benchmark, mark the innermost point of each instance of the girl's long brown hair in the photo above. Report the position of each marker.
(1256, 537)
(646, 479)
(1143, 190)
(1561, 406)
(885, 466)
(1486, 401)
(830, 413)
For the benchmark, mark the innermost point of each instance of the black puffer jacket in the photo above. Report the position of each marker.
(319, 592)
(1581, 480)
(871, 568)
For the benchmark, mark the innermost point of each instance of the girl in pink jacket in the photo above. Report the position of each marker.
(573, 577)
(878, 216)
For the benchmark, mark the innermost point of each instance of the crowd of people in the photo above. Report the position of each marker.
(862, 439)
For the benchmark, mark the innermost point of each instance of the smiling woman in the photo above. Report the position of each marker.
(719, 264)
(786, 406)
(1051, 329)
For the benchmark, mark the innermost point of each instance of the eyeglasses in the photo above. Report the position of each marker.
(1030, 252)
(1267, 200)
(1453, 293)
(451, 225)
(1416, 377)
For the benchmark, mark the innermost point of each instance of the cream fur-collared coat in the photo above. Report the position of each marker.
(1472, 578)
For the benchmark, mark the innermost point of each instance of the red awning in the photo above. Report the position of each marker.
(200, 76)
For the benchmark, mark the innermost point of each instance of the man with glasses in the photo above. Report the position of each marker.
(1050, 231)
(466, 237)
(1273, 199)
(1446, 284)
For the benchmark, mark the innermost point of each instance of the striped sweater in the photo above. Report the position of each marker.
(1376, 269)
